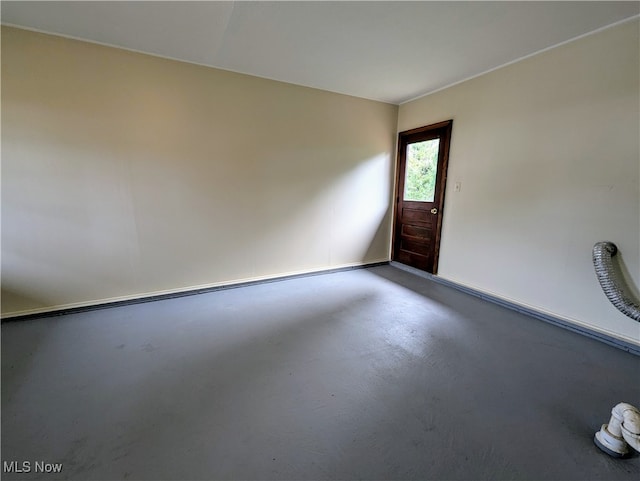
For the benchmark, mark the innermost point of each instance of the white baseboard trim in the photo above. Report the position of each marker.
(181, 292)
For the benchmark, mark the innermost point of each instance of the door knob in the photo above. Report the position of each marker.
(434, 211)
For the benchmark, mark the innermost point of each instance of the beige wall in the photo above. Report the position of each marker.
(547, 151)
(125, 174)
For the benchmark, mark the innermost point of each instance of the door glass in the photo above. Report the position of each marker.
(420, 171)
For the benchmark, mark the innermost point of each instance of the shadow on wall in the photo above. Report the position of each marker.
(14, 300)
(380, 240)
(339, 219)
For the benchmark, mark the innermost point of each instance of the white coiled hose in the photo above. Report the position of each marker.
(612, 285)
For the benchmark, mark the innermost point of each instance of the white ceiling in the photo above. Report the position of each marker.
(388, 51)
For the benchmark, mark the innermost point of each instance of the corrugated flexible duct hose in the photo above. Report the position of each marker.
(613, 287)
(623, 429)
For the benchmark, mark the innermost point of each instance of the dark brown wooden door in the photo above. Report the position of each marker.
(422, 171)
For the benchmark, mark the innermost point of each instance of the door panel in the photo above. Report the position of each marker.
(416, 246)
(415, 231)
(422, 171)
(416, 215)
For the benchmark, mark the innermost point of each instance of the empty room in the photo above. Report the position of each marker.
(320, 240)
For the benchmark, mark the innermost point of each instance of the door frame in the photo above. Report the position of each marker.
(404, 138)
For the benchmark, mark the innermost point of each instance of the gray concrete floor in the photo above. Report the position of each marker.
(364, 374)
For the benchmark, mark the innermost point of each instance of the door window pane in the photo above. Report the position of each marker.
(420, 170)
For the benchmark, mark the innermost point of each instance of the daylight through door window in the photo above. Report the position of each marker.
(421, 170)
